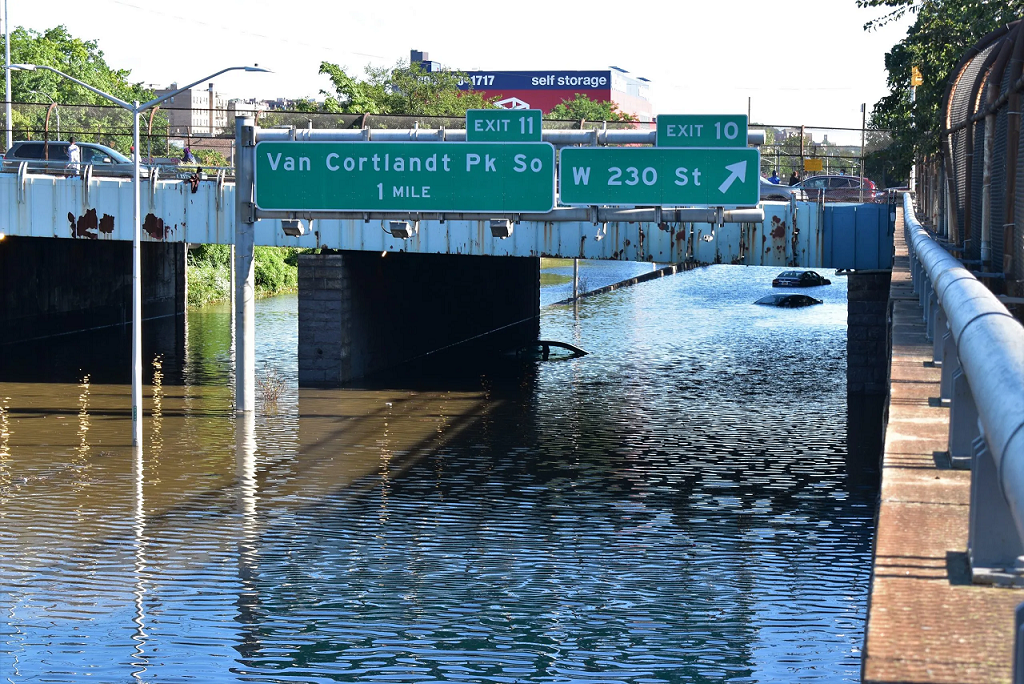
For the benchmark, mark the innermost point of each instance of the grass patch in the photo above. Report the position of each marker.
(554, 279)
(547, 262)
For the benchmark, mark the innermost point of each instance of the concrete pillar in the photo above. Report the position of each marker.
(867, 333)
(361, 313)
(56, 286)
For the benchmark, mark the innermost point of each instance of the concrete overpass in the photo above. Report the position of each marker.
(444, 264)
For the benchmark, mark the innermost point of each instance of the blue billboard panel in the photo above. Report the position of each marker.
(580, 81)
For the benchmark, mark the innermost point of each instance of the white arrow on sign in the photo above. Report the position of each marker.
(739, 170)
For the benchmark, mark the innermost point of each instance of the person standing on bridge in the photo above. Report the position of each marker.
(775, 177)
(794, 179)
(74, 156)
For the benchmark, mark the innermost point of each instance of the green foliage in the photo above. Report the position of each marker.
(275, 270)
(401, 89)
(209, 158)
(209, 279)
(273, 274)
(582, 107)
(940, 37)
(83, 60)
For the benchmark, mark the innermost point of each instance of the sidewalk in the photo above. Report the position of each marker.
(926, 621)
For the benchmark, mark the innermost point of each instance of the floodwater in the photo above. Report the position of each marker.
(681, 505)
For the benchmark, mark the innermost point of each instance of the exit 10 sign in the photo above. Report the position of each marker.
(702, 130)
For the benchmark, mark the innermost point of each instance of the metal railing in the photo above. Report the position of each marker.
(980, 347)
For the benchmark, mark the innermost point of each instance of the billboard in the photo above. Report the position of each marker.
(539, 89)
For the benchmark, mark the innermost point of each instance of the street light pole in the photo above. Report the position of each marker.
(7, 80)
(135, 109)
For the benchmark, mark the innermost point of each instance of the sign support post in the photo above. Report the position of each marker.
(245, 281)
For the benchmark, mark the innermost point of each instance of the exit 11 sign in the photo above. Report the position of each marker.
(503, 125)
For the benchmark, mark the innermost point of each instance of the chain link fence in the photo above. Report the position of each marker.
(972, 192)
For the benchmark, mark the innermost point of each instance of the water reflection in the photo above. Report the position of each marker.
(680, 505)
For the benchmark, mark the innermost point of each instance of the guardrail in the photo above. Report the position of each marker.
(980, 347)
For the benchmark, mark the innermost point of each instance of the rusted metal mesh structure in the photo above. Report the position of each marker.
(973, 192)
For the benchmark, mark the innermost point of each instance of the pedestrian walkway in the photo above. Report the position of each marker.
(926, 621)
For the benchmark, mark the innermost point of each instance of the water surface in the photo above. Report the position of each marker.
(677, 506)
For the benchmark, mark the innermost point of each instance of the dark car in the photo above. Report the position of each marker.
(840, 189)
(788, 301)
(52, 157)
(800, 279)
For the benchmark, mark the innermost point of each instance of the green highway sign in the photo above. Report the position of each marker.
(659, 176)
(503, 125)
(702, 130)
(405, 176)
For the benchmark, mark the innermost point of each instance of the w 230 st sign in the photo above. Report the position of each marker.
(405, 176)
(660, 176)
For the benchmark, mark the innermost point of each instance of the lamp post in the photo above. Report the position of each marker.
(135, 109)
(7, 80)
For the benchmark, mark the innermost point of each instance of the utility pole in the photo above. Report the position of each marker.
(211, 109)
(7, 80)
(863, 131)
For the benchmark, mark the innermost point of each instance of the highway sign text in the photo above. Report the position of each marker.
(503, 125)
(405, 176)
(657, 176)
(702, 130)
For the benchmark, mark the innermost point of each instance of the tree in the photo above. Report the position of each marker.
(404, 89)
(943, 32)
(105, 123)
(582, 107)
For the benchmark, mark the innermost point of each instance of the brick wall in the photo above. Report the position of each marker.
(867, 334)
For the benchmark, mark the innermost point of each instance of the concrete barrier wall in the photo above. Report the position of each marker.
(51, 286)
(361, 313)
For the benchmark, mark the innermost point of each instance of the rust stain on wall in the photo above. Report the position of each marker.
(107, 224)
(155, 227)
(85, 225)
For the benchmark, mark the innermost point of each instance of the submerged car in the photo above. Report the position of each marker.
(800, 279)
(788, 301)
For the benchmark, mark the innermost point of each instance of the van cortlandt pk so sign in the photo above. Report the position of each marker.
(405, 176)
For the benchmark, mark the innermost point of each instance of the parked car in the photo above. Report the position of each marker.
(52, 157)
(840, 189)
(781, 193)
(788, 301)
(800, 279)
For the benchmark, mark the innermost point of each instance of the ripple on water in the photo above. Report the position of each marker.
(677, 506)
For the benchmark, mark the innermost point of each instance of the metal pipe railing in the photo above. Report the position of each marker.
(982, 358)
(554, 136)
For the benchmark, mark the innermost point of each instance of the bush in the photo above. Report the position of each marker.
(275, 270)
(272, 272)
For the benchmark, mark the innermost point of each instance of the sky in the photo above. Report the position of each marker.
(796, 62)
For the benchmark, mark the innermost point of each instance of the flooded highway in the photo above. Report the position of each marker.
(682, 504)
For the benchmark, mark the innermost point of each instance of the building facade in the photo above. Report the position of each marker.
(195, 112)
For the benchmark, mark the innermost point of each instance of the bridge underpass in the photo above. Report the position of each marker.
(456, 253)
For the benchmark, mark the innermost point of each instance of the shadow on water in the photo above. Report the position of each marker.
(104, 354)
